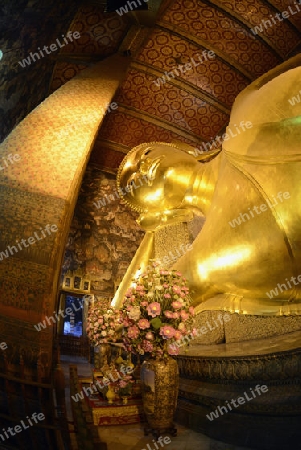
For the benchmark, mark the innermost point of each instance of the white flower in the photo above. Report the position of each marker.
(103, 333)
(134, 313)
(150, 294)
(159, 288)
(111, 332)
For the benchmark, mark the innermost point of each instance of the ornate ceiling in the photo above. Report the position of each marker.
(192, 106)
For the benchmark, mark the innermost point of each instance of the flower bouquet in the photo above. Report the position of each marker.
(103, 326)
(156, 313)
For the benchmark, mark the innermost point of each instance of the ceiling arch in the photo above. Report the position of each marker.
(192, 106)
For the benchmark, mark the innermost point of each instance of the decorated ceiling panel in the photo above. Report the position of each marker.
(293, 9)
(171, 104)
(222, 33)
(192, 105)
(281, 34)
(209, 73)
(100, 36)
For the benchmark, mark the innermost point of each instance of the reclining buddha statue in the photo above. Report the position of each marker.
(247, 257)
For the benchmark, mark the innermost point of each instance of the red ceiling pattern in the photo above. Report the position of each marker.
(171, 104)
(194, 106)
(280, 34)
(130, 131)
(100, 36)
(213, 76)
(221, 32)
(283, 5)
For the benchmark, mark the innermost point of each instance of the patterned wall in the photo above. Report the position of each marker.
(103, 236)
(40, 188)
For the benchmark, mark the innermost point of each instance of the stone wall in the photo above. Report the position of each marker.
(103, 236)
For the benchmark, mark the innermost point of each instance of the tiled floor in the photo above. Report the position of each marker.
(131, 437)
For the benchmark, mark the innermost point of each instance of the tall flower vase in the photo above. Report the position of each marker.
(160, 385)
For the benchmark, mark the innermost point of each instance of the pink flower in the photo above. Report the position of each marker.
(164, 272)
(173, 349)
(167, 332)
(184, 315)
(139, 287)
(175, 315)
(144, 303)
(147, 346)
(167, 296)
(150, 336)
(128, 292)
(177, 289)
(133, 332)
(178, 335)
(143, 323)
(191, 310)
(177, 305)
(168, 314)
(134, 312)
(154, 309)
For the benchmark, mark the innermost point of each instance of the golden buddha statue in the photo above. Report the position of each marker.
(247, 257)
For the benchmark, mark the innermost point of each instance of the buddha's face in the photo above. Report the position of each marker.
(155, 177)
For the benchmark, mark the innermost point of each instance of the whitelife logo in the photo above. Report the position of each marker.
(124, 9)
(108, 198)
(274, 292)
(295, 100)
(184, 68)
(53, 48)
(35, 417)
(161, 440)
(31, 240)
(240, 400)
(218, 141)
(259, 209)
(279, 16)
(9, 159)
(106, 380)
(68, 311)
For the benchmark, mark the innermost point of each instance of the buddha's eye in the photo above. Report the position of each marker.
(147, 152)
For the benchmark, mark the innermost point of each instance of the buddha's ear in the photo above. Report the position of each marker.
(200, 155)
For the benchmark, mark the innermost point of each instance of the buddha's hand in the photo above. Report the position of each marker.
(154, 221)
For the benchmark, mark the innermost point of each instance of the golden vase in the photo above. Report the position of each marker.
(159, 386)
(111, 395)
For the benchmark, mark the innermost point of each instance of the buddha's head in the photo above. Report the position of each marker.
(155, 176)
